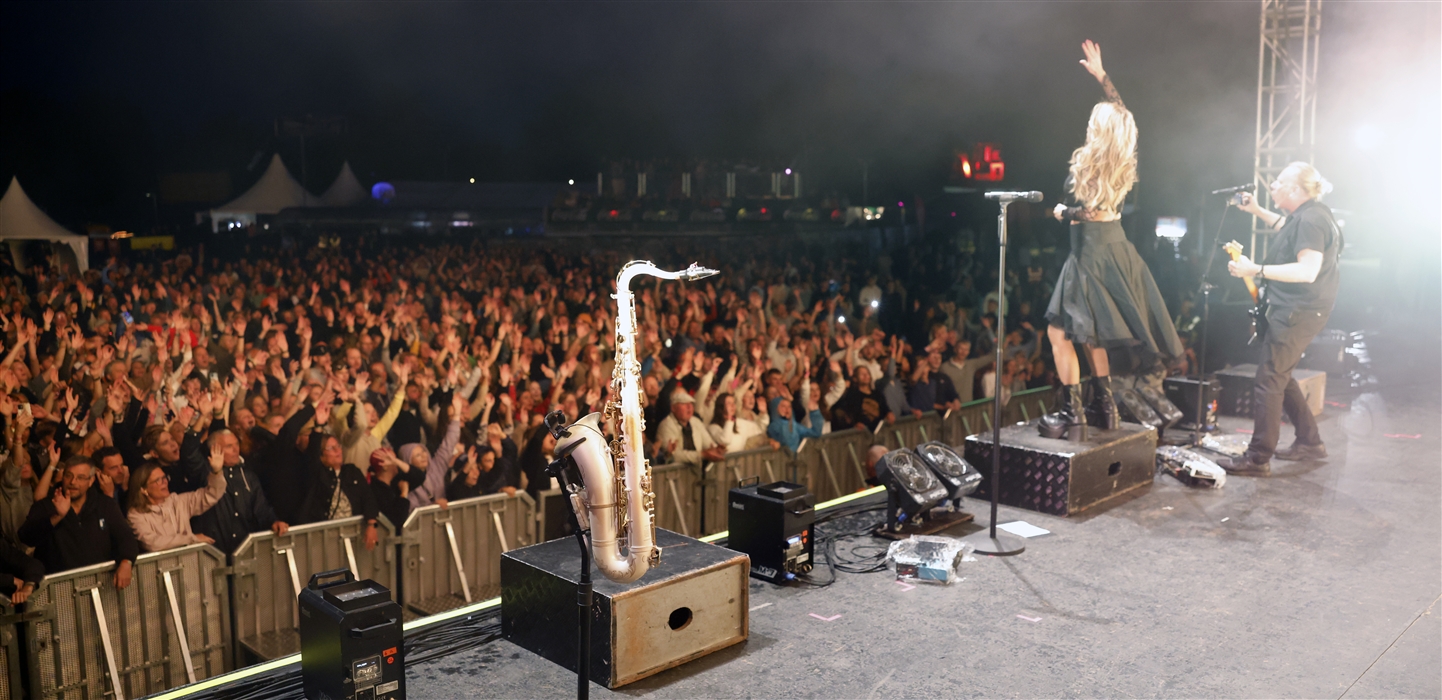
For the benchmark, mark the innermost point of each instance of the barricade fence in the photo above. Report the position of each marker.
(188, 616)
(169, 627)
(9, 652)
(268, 572)
(451, 556)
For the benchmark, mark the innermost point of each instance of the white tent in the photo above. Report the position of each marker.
(276, 190)
(346, 191)
(21, 220)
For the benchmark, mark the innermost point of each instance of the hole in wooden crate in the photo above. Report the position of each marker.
(680, 617)
(1114, 469)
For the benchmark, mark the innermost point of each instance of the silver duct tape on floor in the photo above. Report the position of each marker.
(170, 627)
(451, 556)
(269, 571)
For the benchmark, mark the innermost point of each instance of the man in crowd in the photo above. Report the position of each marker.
(72, 529)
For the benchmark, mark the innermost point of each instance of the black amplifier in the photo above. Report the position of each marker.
(351, 642)
(773, 524)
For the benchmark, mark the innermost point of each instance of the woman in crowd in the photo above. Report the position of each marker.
(161, 519)
(731, 431)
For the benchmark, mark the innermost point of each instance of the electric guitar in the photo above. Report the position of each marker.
(1258, 312)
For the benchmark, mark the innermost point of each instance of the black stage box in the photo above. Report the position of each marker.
(1061, 477)
(694, 603)
(1182, 392)
(1239, 384)
(351, 639)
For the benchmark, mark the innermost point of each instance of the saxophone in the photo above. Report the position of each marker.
(616, 498)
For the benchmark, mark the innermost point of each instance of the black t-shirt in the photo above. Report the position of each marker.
(1311, 226)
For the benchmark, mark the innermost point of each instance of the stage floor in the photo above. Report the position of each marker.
(1322, 580)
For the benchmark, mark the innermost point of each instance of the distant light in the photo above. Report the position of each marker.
(875, 303)
(1368, 137)
(1174, 227)
(788, 171)
(473, 181)
(763, 210)
(266, 227)
(383, 191)
(569, 182)
(841, 319)
(614, 212)
(901, 204)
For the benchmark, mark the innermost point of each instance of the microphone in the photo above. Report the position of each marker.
(1002, 196)
(1249, 187)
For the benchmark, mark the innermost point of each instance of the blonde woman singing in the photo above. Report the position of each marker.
(1105, 296)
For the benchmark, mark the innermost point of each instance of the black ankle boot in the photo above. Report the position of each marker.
(1068, 420)
(1102, 411)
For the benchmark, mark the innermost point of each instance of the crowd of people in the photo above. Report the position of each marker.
(158, 401)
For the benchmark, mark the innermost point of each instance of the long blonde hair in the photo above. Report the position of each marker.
(1104, 169)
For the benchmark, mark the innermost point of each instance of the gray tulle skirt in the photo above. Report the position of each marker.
(1106, 296)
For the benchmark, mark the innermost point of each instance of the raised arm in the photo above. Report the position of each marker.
(1093, 64)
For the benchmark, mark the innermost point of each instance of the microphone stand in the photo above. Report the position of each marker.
(584, 589)
(993, 543)
(1199, 418)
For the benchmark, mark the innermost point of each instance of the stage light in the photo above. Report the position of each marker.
(1172, 227)
(910, 485)
(473, 181)
(788, 171)
(1368, 137)
(570, 182)
(875, 303)
(953, 213)
(841, 319)
(901, 204)
(959, 477)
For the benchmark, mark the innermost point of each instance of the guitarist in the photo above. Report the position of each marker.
(1300, 275)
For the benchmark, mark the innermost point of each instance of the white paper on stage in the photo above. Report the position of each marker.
(1021, 528)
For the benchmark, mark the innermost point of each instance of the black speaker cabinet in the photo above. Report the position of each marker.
(1239, 384)
(1061, 477)
(1182, 392)
(694, 603)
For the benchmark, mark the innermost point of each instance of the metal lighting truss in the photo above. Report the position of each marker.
(1286, 94)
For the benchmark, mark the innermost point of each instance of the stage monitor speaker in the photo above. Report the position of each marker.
(910, 481)
(959, 477)
(1182, 392)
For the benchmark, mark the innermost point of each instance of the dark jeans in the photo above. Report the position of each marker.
(1276, 391)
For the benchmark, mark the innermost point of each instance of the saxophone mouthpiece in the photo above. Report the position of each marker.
(696, 272)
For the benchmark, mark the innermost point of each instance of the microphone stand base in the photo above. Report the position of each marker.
(1002, 545)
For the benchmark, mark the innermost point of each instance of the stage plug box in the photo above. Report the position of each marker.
(773, 524)
(351, 640)
(694, 603)
(1062, 477)
(1239, 385)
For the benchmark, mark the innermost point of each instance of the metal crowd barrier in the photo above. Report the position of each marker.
(170, 627)
(835, 465)
(269, 571)
(678, 497)
(9, 652)
(452, 556)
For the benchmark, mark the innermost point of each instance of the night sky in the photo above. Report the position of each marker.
(100, 99)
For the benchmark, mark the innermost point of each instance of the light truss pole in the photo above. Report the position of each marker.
(1286, 95)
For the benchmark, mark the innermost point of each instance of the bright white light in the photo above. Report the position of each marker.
(570, 182)
(1368, 137)
(473, 181)
(841, 319)
(788, 171)
(1171, 227)
(875, 303)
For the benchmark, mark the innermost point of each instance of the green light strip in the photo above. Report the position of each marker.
(436, 619)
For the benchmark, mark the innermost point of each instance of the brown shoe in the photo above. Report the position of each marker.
(1244, 465)
(1302, 453)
